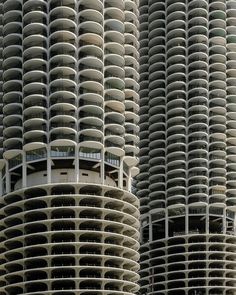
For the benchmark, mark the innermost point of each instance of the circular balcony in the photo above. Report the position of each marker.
(12, 5)
(90, 50)
(35, 17)
(35, 124)
(62, 24)
(34, 29)
(62, 87)
(35, 41)
(62, 36)
(65, 55)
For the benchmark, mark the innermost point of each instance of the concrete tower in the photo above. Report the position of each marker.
(187, 184)
(69, 222)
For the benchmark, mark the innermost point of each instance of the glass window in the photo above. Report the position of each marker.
(126, 168)
(112, 159)
(17, 160)
(36, 154)
(90, 153)
(62, 151)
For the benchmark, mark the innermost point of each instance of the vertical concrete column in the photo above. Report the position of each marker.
(102, 168)
(120, 174)
(49, 169)
(24, 170)
(76, 163)
(1, 184)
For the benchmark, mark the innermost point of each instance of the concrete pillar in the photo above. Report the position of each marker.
(24, 170)
(49, 169)
(8, 178)
(120, 174)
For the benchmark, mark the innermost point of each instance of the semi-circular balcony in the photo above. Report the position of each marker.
(36, 114)
(35, 17)
(62, 36)
(114, 19)
(34, 41)
(12, 75)
(176, 158)
(33, 89)
(113, 116)
(62, 24)
(62, 73)
(156, 14)
(131, 73)
(35, 57)
(114, 71)
(90, 39)
(35, 29)
(66, 3)
(113, 86)
(90, 28)
(12, 144)
(62, 56)
(12, 27)
(37, 5)
(62, 87)
(12, 86)
(131, 139)
(114, 36)
(35, 76)
(118, 52)
(113, 59)
(94, 4)
(12, 52)
(114, 135)
(12, 40)
(93, 75)
(32, 136)
(217, 145)
(12, 5)
(131, 150)
(91, 127)
(90, 62)
(35, 124)
(13, 132)
(87, 125)
(114, 143)
(63, 130)
(107, 227)
(62, 120)
(131, 18)
(64, 100)
(12, 11)
(11, 109)
(35, 100)
(12, 121)
(132, 95)
(90, 15)
(90, 50)
(91, 100)
(113, 75)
